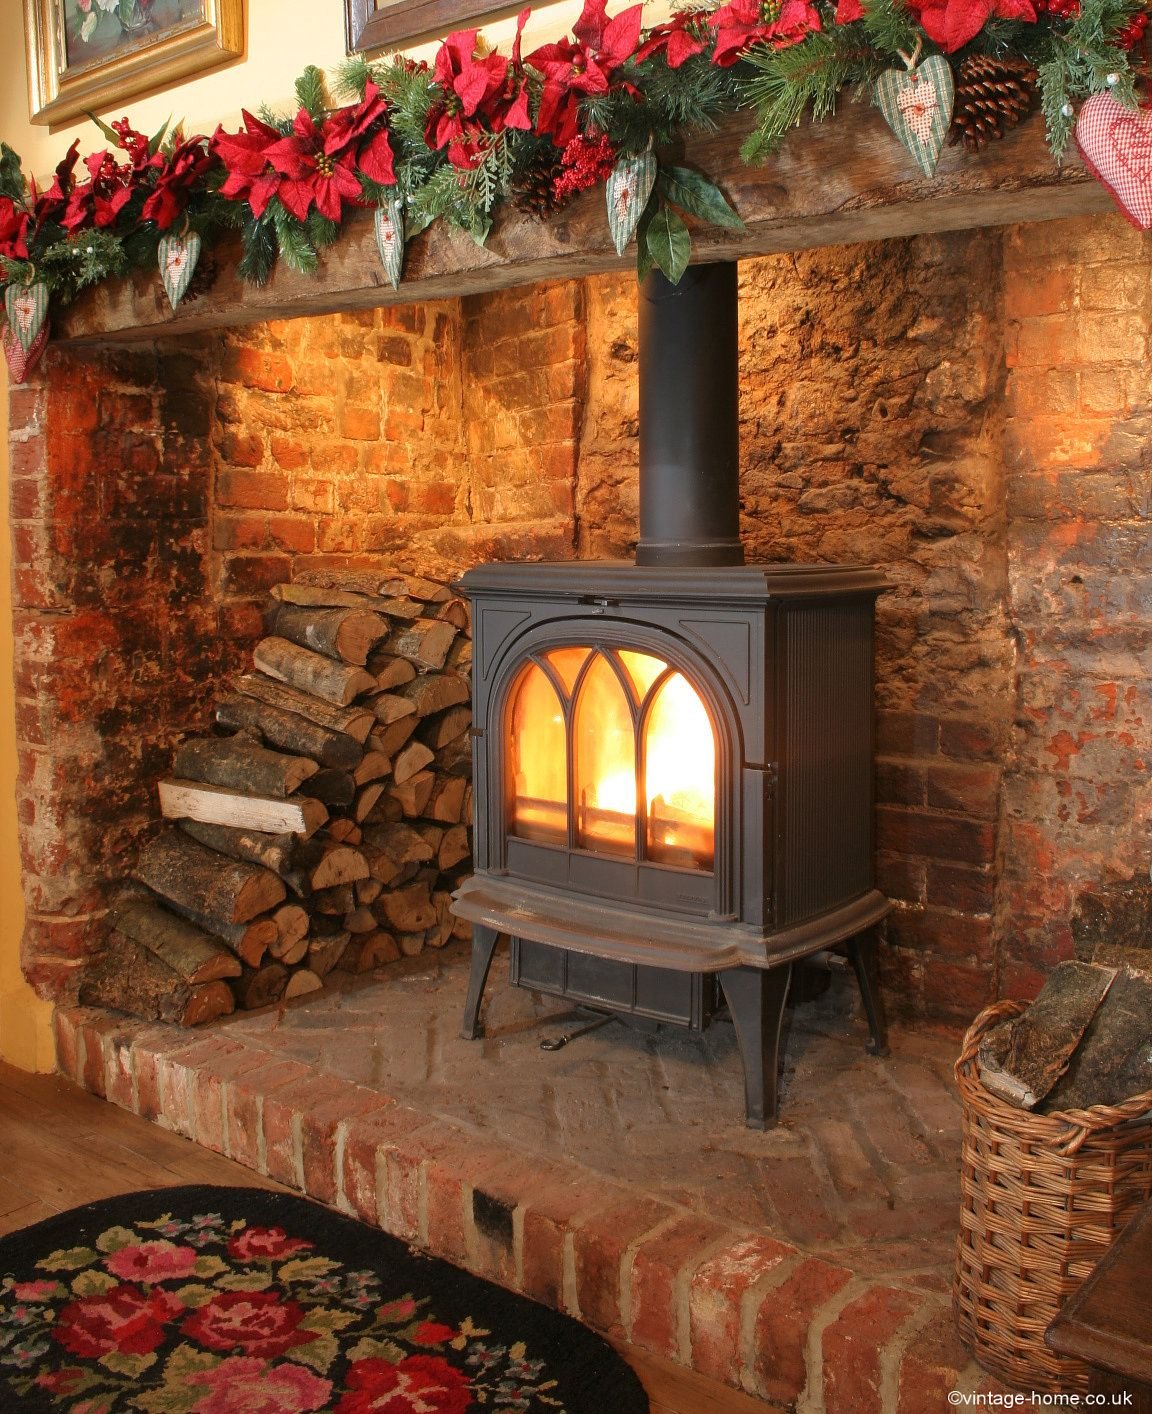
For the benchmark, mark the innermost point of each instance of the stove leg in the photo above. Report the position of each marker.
(483, 948)
(862, 955)
(755, 997)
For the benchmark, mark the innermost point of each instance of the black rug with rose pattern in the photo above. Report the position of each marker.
(240, 1301)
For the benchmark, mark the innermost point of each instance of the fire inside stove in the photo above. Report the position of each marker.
(612, 751)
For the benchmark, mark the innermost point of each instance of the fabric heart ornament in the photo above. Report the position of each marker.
(917, 106)
(22, 361)
(1116, 145)
(27, 308)
(390, 239)
(178, 256)
(630, 185)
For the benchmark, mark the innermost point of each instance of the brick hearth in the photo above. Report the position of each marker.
(614, 1179)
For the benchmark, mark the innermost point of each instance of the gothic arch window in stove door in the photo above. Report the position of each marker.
(612, 752)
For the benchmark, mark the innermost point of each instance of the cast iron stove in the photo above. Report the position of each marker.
(673, 759)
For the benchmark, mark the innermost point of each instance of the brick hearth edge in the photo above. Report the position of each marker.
(738, 1307)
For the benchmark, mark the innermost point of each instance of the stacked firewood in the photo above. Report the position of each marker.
(324, 826)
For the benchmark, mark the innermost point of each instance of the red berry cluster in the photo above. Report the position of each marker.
(1133, 33)
(1059, 9)
(586, 162)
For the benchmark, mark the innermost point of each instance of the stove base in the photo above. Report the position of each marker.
(756, 997)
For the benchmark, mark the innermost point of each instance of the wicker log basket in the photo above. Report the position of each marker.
(1042, 1199)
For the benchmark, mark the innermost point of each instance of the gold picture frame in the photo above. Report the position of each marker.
(85, 55)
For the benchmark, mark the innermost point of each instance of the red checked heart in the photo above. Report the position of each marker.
(1116, 145)
(20, 364)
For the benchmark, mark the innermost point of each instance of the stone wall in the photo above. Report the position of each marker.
(968, 412)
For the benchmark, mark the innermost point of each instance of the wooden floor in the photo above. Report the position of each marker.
(61, 1147)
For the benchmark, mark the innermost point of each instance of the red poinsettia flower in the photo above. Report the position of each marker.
(481, 94)
(51, 205)
(421, 1384)
(176, 178)
(245, 157)
(742, 23)
(13, 230)
(586, 64)
(684, 35)
(952, 23)
(124, 1321)
(314, 164)
(360, 126)
(310, 174)
(257, 1323)
(849, 10)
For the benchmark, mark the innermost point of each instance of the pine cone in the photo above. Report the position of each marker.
(203, 277)
(534, 191)
(992, 95)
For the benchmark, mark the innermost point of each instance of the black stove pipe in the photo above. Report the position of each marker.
(690, 419)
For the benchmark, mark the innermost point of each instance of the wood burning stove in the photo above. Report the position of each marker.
(673, 759)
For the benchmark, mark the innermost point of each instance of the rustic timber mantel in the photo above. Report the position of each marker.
(832, 183)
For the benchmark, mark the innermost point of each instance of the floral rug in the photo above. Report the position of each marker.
(240, 1301)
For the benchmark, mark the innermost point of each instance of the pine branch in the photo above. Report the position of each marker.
(311, 94)
(259, 256)
(296, 250)
(811, 73)
(889, 27)
(352, 78)
(71, 265)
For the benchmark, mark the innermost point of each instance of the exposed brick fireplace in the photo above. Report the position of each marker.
(966, 412)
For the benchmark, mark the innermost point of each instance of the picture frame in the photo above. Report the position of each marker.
(84, 55)
(390, 24)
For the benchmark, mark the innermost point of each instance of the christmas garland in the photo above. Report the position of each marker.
(453, 141)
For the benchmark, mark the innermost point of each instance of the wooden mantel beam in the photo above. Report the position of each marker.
(833, 183)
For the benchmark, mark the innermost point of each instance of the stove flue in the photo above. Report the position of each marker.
(690, 419)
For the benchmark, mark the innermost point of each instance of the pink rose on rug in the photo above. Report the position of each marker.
(256, 1243)
(258, 1388)
(124, 1320)
(35, 1290)
(151, 1262)
(422, 1384)
(254, 1322)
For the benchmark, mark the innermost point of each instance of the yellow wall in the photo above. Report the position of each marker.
(283, 37)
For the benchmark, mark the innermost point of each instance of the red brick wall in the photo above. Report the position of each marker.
(966, 411)
(1077, 805)
(119, 637)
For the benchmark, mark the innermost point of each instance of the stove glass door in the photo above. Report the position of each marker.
(612, 751)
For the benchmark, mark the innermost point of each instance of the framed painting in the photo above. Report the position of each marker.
(388, 24)
(88, 54)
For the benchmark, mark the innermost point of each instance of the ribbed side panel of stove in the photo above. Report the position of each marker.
(824, 828)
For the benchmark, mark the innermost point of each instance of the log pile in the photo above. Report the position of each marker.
(324, 825)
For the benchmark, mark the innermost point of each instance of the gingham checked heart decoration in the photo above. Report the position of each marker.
(178, 256)
(629, 186)
(390, 239)
(917, 105)
(27, 309)
(1116, 145)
